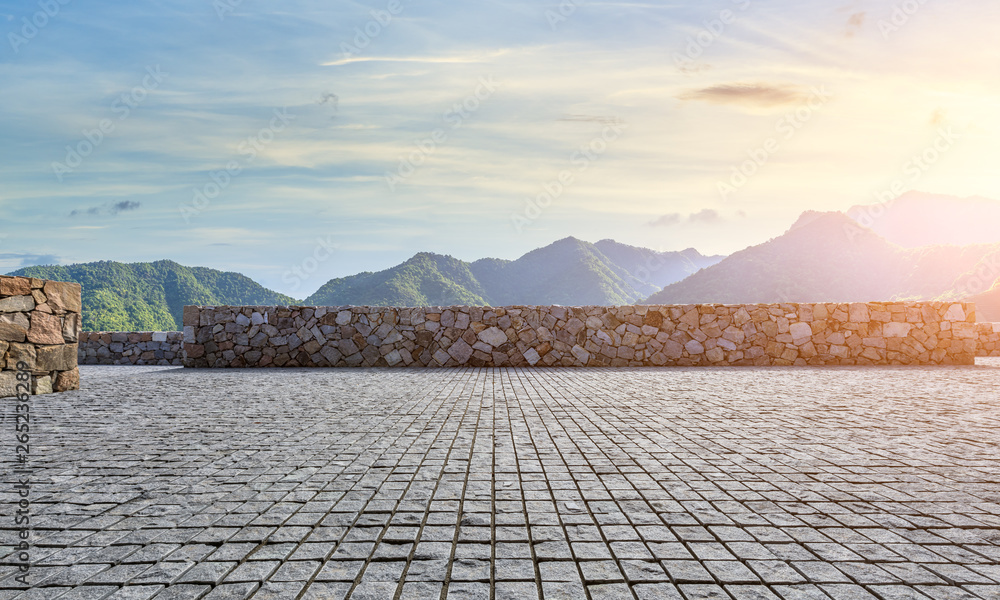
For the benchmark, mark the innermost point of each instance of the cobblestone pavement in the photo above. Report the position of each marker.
(741, 484)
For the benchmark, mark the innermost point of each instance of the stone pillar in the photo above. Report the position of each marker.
(40, 327)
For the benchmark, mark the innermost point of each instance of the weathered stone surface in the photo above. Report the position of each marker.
(8, 384)
(707, 334)
(56, 358)
(893, 330)
(493, 336)
(10, 332)
(42, 385)
(17, 304)
(461, 351)
(15, 286)
(45, 329)
(31, 331)
(531, 355)
(955, 312)
(63, 296)
(801, 332)
(26, 353)
(67, 380)
(135, 348)
(190, 314)
(71, 327)
(859, 313)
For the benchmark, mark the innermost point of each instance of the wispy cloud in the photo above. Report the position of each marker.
(12, 261)
(603, 119)
(705, 216)
(107, 209)
(753, 95)
(453, 59)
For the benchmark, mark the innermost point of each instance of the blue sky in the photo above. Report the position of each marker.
(472, 129)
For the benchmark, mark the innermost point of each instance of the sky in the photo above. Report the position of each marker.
(329, 138)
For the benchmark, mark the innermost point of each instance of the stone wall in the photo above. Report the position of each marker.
(39, 326)
(989, 339)
(132, 348)
(703, 335)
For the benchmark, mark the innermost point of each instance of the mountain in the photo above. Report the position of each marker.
(425, 280)
(988, 305)
(569, 272)
(829, 257)
(658, 268)
(917, 219)
(151, 296)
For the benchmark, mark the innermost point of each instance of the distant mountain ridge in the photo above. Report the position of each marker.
(829, 257)
(568, 271)
(151, 296)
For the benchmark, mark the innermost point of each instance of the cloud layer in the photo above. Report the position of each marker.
(593, 111)
(758, 95)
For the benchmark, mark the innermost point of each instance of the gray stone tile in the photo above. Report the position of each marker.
(793, 484)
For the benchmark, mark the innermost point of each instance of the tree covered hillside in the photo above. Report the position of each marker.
(151, 296)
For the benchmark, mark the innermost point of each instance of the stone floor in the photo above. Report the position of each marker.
(740, 484)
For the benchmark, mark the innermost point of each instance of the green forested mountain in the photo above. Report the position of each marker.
(151, 296)
(568, 272)
(425, 280)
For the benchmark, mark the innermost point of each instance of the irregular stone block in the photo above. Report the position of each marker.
(26, 353)
(42, 385)
(9, 332)
(493, 336)
(63, 296)
(15, 286)
(56, 358)
(67, 380)
(17, 304)
(461, 351)
(8, 384)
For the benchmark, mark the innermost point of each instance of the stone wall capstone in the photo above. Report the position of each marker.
(131, 348)
(620, 336)
(39, 326)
